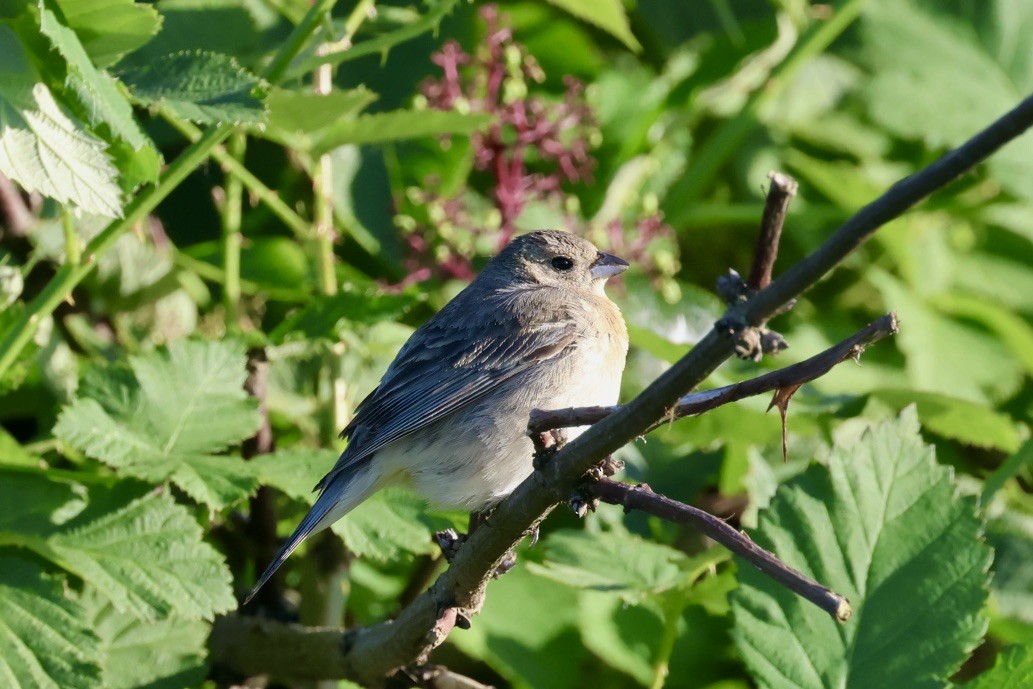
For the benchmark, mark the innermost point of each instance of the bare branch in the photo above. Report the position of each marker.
(700, 402)
(782, 190)
(644, 499)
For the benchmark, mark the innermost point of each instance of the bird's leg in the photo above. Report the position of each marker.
(449, 540)
(581, 502)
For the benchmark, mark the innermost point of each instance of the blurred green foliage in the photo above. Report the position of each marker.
(335, 219)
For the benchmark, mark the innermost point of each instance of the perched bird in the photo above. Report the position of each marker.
(534, 330)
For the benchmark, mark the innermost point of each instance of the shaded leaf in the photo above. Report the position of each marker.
(882, 524)
(325, 316)
(386, 525)
(45, 642)
(295, 114)
(161, 419)
(198, 85)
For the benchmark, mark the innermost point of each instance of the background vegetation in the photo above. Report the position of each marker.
(327, 210)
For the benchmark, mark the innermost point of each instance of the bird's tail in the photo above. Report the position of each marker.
(339, 497)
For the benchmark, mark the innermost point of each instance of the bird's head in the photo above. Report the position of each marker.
(555, 259)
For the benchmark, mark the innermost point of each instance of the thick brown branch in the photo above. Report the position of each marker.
(782, 190)
(644, 499)
(699, 402)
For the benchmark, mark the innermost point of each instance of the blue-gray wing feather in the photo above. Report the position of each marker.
(450, 362)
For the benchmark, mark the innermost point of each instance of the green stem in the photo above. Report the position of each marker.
(673, 608)
(68, 276)
(231, 166)
(726, 140)
(73, 253)
(232, 239)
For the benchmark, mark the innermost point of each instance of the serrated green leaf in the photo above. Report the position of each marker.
(961, 420)
(45, 642)
(396, 125)
(608, 15)
(164, 417)
(883, 524)
(147, 557)
(294, 471)
(617, 562)
(386, 525)
(42, 147)
(200, 86)
(162, 654)
(104, 103)
(109, 29)
(1013, 670)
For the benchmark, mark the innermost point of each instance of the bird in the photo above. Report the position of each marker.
(533, 330)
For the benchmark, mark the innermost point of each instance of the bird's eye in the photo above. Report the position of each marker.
(562, 263)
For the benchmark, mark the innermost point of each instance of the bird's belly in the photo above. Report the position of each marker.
(477, 456)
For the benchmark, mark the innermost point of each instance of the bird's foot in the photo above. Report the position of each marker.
(582, 501)
(449, 540)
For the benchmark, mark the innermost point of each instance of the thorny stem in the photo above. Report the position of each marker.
(232, 166)
(700, 402)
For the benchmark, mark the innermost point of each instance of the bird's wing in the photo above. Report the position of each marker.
(446, 365)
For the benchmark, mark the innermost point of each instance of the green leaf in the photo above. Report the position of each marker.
(385, 526)
(164, 417)
(935, 82)
(397, 125)
(201, 86)
(42, 147)
(9, 316)
(617, 562)
(324, 316)
(884, 525)
(1011, 536)
(961, 420)
(1013, 670)
(147, 557)
(109, 29)
(608, 15)
(389, 523)
(295, 114)
(294, 471)
(45, 642)
(104, 103)
(162, 654)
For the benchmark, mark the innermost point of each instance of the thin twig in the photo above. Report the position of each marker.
(700, 402)
(782, 190)
(644, 499)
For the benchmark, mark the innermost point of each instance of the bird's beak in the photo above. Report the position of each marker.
(608, 265)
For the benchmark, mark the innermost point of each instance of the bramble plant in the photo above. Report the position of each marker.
(219, 221)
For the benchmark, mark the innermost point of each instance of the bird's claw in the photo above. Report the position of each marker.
(449, 540)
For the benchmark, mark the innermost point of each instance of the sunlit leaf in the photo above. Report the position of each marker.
(199, 86)
(109, 29)
(164, 417)
(42, 147)
(883, 524)
(608, 15)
